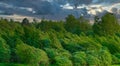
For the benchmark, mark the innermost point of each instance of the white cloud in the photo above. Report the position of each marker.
(6, 5)
(67, 6)
(28, 9)
(12, 6)
(82, 6)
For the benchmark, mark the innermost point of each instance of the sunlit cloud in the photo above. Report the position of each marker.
(28, 9)
(67, 6)
(57, 7)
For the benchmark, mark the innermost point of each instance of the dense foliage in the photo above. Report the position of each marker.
(74, 42)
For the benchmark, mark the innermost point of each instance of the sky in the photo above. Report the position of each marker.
(38, 8)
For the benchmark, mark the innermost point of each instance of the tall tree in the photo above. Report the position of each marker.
(107, 25)
(25, 21)
(71, 24)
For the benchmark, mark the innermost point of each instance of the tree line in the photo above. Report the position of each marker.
(73, 42)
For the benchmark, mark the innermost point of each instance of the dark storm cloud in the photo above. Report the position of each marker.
(42, 7)
(39, 6)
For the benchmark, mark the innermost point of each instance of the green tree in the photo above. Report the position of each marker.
(115, 60)
(25, 21)
(92, 60)
(4, 51)
(31, 55)
(31, 36)
(62, 61)
(105, 57)
(45, 25)
(84, 25)
(55, 43)
(108, 25)
(77, 26)
(79, 59)
(71, 24)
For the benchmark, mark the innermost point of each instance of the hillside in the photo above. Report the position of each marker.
(74, 42)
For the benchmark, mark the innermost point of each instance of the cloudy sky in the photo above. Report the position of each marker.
(50, 7)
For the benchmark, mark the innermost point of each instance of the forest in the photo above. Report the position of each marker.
(73, 42)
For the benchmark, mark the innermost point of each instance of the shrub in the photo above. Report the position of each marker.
(31, 55)
(92, 60)
(105, 57)
(79, 59)
(62, 61)
(115, 60)
(4, 51)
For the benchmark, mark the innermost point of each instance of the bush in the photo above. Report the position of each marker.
(93, 61)
(105, 57)
(31, 55)
(4, 51)
(117, 55)
(115, 60)
(55, 43)
(62, 61)
(79, 59)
